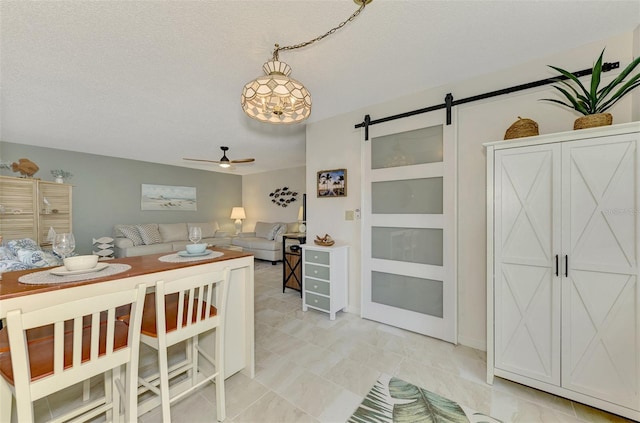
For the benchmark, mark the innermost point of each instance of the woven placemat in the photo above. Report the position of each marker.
(175, 258)
(46, 278)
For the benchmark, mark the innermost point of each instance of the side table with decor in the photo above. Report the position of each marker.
(292, 262)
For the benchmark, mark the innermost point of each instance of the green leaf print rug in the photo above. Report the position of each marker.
(392, 400)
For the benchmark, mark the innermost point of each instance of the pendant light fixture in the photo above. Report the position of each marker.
(277, 98)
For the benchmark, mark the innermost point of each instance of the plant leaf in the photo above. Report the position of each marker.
(618, 95)
(424, 406)
(573, 78)
(606, 90)
(586, 100)
(596, 74)
(580, 107)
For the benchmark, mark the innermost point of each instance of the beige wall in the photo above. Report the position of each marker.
(334, 143)
(636, 93)
(257, 203)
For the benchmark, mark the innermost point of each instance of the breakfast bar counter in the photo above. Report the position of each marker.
(239, 327)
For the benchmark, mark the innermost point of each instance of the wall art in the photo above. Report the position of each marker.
(283, 196)
(167, 197)
(332, 183)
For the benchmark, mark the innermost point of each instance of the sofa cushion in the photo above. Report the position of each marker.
(257, 244)
(208, 228)
(263, 229)
(173, 232)
(149, 233)
(130, 232)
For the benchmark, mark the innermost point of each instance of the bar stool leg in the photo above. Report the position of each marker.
(5, 401)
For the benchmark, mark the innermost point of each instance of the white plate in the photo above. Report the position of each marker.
(62, 271)
(185, 253)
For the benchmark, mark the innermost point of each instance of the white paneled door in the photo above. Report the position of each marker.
(527, 282)
(409, 191)
(600, 296)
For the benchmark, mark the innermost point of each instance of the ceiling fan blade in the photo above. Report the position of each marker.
(201, 160)
(243, 160)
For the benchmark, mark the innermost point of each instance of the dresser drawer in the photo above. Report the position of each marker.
(317, 286)
(317, 301)
(314, 271)
(320, 257)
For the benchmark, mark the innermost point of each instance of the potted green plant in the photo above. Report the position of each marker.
(61, 175)
(595, 101)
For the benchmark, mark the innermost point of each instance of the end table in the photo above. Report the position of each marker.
(292, 263)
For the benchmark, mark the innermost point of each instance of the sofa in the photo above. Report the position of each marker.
(153, 238)
(265, 242)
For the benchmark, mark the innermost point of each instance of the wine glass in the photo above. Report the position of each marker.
(64, 244)
(195, 234)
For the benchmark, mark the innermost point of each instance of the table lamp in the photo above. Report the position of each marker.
(238, 214)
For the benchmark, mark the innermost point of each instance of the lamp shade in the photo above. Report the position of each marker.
(276, 98)
(237, 213)
(301, 214)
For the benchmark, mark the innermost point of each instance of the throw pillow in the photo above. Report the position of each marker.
(131, 232)
(20, 244)
(173, 232)
(149, 233)
(282, 229)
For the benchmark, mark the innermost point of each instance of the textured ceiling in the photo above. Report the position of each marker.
(161, 80)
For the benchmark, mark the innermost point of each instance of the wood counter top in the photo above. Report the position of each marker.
(141, 265)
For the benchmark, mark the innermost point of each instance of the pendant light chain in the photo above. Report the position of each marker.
(320, 37)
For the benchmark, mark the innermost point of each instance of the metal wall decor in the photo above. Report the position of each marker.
(283, 196)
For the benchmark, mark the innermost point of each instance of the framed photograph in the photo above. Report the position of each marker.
(167, 197)
(332, 183)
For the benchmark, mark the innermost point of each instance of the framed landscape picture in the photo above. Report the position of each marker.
(332, 183)
(167, 197)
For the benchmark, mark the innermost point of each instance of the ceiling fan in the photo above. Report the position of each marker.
(224, 160)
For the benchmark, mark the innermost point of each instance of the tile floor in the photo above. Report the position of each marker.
(311, 369)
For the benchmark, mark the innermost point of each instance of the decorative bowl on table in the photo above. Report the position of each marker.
(196, 248)
(325, 241)
(81, 262)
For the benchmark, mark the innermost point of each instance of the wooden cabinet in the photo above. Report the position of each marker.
(29, 207)
(292, 261)
(563, 297)
(325, 278)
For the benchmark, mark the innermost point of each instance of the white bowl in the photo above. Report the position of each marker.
(81, 262)
(196, 248)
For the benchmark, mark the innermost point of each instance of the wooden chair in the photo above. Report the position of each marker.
(200, 302)
(87, 340)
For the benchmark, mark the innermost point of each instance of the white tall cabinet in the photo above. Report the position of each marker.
(563, 301)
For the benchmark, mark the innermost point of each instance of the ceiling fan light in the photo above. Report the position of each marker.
(276, 98)
(225, 165)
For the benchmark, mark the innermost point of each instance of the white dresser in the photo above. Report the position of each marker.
(563, 299)
(325, 278)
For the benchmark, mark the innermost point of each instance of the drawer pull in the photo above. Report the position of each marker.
(315, 301)
(315, 257)
(315, 271)
(315, 286)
